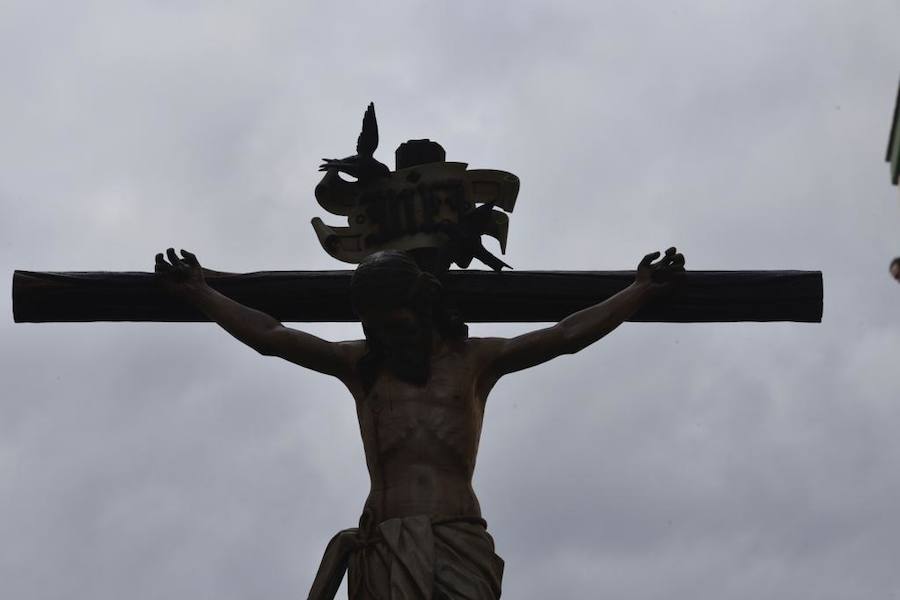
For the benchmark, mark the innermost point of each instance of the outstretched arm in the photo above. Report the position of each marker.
(583, 328)
(184, 277)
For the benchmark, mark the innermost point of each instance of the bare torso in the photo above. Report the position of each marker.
(421, 442)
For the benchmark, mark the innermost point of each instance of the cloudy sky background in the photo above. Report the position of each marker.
(151, 461)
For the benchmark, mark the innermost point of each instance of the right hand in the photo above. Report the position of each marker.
(180, 275)
(662, 275)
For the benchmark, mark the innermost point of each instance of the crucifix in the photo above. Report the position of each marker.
(419, 381)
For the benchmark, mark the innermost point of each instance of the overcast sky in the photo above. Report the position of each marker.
(726, 461)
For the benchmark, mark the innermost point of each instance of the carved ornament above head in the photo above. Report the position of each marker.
(427, 206)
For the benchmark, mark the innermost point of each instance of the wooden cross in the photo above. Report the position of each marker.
(481, 296)
(438, 211)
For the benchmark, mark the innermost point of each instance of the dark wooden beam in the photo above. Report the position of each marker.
(482, 296)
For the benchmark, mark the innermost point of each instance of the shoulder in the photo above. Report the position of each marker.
(484, 342)
(482, 355)
(484, 349)
(351, 350)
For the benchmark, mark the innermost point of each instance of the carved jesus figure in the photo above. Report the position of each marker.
(420, 384)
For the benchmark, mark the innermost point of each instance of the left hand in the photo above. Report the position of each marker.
(180, 276)
(660, 276)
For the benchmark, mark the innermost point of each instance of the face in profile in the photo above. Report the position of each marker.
(895, 269)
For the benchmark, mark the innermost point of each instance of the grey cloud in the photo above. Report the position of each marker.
(732, 460)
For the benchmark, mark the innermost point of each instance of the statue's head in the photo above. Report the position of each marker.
(401, 309)
(895, 268)
(392, 296)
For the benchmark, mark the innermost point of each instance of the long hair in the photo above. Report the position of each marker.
(392, 279)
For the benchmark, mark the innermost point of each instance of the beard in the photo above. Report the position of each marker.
(409, 357)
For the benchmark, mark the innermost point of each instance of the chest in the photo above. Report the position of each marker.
(447, 406)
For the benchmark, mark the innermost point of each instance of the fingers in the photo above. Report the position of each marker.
(190, 258)
(173, 258)
(161, 265)
(645, 262)
(175, 264)
(671, 260)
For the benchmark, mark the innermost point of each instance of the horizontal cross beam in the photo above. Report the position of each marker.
(481, 296)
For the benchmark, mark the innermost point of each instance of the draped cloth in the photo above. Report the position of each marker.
(412, 558)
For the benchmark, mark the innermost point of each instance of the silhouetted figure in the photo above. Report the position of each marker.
(420, 385)
(361, 165)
